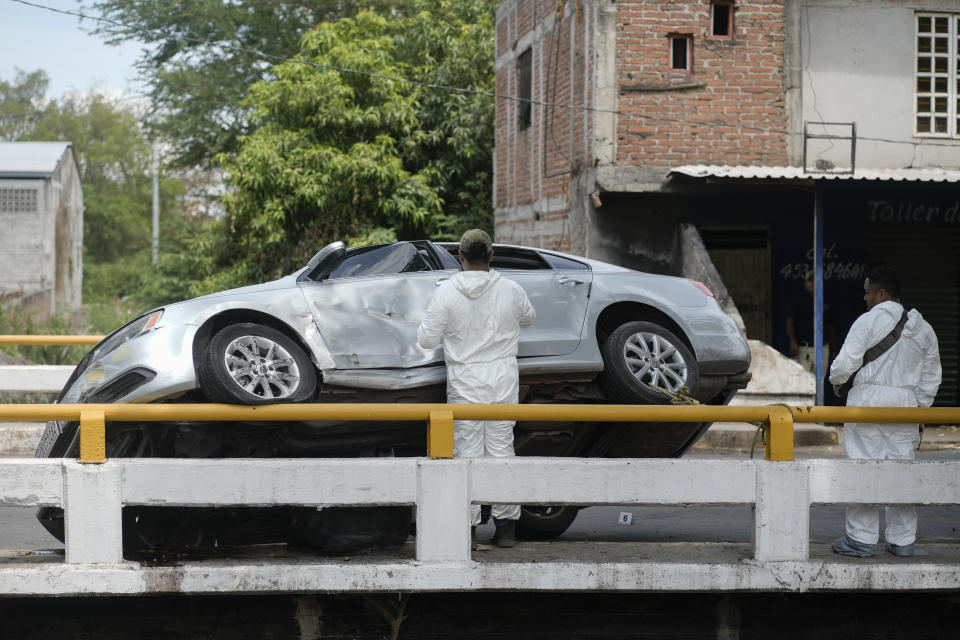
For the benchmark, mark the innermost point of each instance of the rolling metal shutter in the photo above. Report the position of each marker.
(928, 260)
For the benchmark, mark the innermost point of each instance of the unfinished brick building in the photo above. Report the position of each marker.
(699, 138)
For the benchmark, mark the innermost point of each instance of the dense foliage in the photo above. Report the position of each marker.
(337, 154)
(21, 103)
(195, 70)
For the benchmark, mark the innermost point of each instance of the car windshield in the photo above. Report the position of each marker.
(401, 257)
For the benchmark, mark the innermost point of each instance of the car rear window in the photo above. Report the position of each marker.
(525, 259)
(559, 262)
(402, 257)
(513, 258)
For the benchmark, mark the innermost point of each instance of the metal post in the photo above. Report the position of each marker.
(779, 434)
(818, 288)
(93, 447)
(440, 434)
(156, 205)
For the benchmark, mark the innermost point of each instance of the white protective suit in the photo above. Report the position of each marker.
(906, 375)
(477, 315)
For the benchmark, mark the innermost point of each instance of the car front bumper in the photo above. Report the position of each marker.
(155, 365)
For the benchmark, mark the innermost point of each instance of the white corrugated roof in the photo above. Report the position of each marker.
(797, 173)
(30, 159)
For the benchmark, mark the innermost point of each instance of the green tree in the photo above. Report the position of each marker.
(21, 103)
(197, 89)
(337, 154)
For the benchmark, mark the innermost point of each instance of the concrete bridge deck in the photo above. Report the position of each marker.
(531, 566)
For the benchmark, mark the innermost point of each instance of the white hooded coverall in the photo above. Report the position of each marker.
(906, 375)
(477, 315)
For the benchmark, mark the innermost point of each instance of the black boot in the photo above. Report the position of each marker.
(506, 534)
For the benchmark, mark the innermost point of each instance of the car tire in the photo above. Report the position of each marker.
(637, 355)
(339, 530)
(252, 364)
(148, 530)
(544, 522)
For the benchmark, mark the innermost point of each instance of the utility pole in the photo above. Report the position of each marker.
(156, 205)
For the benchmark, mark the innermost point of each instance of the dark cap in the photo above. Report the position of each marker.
(475, 243)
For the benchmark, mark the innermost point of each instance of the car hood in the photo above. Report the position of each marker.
(286, 282)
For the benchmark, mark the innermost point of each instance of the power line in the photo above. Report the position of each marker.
(330, 67)
(426, 85)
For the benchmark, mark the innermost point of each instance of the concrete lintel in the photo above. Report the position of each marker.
(32, 482)
(883, 482)
(622, 179)
(257, 481)
(593, 481)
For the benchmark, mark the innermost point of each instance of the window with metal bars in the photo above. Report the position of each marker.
(937, 105)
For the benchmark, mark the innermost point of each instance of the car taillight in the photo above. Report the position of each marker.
(702, 287)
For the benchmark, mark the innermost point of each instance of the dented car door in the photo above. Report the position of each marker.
(369, 307)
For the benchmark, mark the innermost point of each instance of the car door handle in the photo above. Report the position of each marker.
(441, 280)
(570, 282)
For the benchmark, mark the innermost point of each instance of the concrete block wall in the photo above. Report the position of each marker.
(68, 238)
(735, 89)
(27, 256)
(41, 250)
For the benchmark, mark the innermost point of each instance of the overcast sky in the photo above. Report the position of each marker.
(74, 59)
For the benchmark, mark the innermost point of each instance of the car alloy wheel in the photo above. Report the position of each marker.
(253, 364)
(654, 361)
(640, 358)
(262, 367)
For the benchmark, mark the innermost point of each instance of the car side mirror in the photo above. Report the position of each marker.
(333, 250)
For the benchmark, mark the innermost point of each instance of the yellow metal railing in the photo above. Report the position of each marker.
(439, 417)
(49, 340)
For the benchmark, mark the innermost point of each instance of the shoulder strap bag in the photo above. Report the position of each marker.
(873, 353)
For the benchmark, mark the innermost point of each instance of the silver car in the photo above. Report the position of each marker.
(343, 329)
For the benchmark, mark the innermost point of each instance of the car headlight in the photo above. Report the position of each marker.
(130, 331)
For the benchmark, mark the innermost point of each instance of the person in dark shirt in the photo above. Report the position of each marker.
(799, 326)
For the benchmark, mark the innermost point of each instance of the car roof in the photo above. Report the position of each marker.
(595, 265)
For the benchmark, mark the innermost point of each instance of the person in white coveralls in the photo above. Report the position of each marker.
(477, 316)
(892, 359)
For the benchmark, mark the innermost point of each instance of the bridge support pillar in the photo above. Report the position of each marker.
(443, 511)
(93, 513)
(781, 515)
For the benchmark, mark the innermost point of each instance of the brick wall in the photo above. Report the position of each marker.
(536, 166)
(729, 109)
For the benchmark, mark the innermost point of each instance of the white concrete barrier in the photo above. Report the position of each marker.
(21, 438)
(781, 493)
(34, 378)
